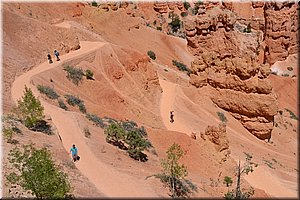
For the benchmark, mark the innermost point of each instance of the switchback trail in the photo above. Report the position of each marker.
(107, 180)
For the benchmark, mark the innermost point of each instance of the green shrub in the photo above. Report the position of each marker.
(186, 5)
(94, 3)
(89, 74)
(181, 66)
(31, 109)
(62, 104)
(184, 14)
(228, 181)
(35, 171)
(82, 108)
(48, 91)
(292, 115)
(132, 126)
(74, 74)
(97, 120)
(152, 55)
(72, 100)
(75, 101)
(222, 117)
(121, 133)
(115, 134)
(136, 144)
(175, 24)
(173, 174)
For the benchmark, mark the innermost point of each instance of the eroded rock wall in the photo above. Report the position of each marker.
(230, 47)
(281, 30)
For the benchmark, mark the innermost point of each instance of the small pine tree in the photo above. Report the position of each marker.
(30, 108)
(35, 171)
(173, 174)
(227, 181)
(241, 170)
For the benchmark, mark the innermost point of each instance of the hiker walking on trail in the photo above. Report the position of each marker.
(171, 116)
(49, 58)
(56, 53)
(74, 152)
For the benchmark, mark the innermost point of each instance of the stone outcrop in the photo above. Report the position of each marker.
(230, 59)
(165, 7)
(241, 88)
(217, 136)
(281, 30)
(114, 6)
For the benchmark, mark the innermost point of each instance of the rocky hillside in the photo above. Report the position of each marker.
(234, 51)
(227, 70)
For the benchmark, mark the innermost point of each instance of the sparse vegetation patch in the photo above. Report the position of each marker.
(222, 117)
(181, 66)
(74, 74)
(75, 101)
(97, 120)
(292, 115)
(48, 91)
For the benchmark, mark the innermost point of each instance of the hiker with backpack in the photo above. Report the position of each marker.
(56, 53)
(49, 58)
(74, 152)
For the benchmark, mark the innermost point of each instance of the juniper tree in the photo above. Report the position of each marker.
(173, 174)
(35, 171)
(31, 109)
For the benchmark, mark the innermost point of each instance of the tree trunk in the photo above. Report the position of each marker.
(238, 184)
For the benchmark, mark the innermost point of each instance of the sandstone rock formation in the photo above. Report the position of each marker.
(217, 135)
(229, 59)
(281, 30)
(165, 7)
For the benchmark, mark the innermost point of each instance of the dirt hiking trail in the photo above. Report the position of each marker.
(107, 179)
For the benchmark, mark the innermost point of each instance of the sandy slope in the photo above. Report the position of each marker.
(261, 178)
(112, 183)
(167, 105)
(190, 115)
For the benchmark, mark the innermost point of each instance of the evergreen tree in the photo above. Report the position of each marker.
(173, 174)
(31, 109)
(35, 171)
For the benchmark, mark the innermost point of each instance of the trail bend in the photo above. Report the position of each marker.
(107, 180)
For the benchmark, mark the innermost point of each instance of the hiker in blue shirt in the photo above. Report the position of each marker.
(56, 53)
(74, 152)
